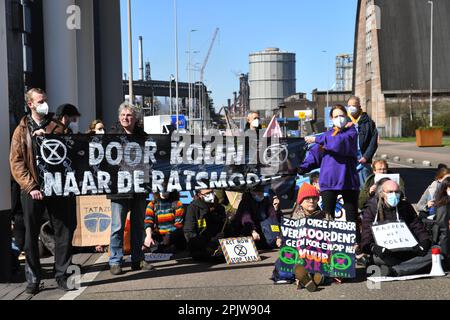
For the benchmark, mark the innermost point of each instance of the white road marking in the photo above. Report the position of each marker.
(85, 280)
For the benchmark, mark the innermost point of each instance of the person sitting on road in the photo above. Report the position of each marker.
(307, 207)
(163, 223)
(255, 210)
(307, 204)
(369, 188)
(204, 226)
(425, 206)
(441, 233)
(389, 206)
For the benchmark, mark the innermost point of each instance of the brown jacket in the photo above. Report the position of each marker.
(21, 158)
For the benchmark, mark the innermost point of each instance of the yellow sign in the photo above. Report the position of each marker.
(275, 228)
(302, 115)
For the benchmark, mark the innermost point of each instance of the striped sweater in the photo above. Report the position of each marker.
(164, 217)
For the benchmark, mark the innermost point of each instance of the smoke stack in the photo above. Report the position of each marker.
(436, 270)
(141, 60)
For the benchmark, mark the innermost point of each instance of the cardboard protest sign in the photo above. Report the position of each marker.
(393, 236)
(239, 250)
(124, 164)
(321, 246)
(393, 176)
(93, 222)
(154, 257)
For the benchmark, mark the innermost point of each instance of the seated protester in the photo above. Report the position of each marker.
(204, 225)
(307, 207)
(388, 206)
(441, 233)
(425, 206)
(163, 223)
(308, 204)
(255, 210)
(369, 188)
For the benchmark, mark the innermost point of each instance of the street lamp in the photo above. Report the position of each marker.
(170, 93)
(176, 58)
(431, 65)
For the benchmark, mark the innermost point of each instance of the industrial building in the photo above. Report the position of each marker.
(272, 78)
(392, 62)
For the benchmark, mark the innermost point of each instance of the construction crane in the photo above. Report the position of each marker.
(202, 71)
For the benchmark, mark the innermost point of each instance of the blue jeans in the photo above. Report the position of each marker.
(119, 210)
(364, 170)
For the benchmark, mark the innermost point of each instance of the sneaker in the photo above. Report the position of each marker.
(319, 279)
(33, 288)
(62, 284)
(136, 266)
(304, 279)
(115, 269)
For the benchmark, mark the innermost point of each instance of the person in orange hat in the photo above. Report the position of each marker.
(307, 203)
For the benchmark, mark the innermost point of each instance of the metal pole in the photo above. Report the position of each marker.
(170, 95)
(431, 66)
(130, 56)
(176, 55)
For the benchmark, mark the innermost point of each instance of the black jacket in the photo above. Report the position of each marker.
(368, 137)
(139, 131)
(406, 213)
(201, 220)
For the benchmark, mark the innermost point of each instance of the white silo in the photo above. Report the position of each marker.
(271, 78)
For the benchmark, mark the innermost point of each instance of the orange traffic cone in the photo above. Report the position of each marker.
(436, 269)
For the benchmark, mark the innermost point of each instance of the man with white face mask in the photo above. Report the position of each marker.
(23, 168)
(205, 225)
(69, 116)
(367, 137)
(253, 121)
(390, 206)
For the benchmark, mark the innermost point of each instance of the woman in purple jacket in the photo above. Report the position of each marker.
(336, 153)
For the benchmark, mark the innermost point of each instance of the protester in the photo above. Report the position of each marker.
(335, 153)
(163, 223)
(205, 224)
(96, 127)
(255, 211)
(253, 121)
(69, 116)
(314, 180)
(367, 137)
(369, 188)
(307, 204)
(121, 204)
(23, 168)
(441, 235)
(389, 206)
(425, 206)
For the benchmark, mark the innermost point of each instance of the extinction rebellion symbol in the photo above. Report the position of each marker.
(53, 152)
(240, 250)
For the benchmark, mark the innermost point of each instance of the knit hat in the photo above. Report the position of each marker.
(307, 191)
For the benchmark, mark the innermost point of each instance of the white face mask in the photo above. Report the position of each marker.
(74, 127)
(352, 110)
(209, 198)
(42, 109)
(101, 131)
(255, 123)
(340, 122)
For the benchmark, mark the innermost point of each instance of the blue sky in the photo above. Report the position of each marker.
(305, 27)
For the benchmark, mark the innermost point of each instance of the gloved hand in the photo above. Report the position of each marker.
(379, 251)
(420, 250)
